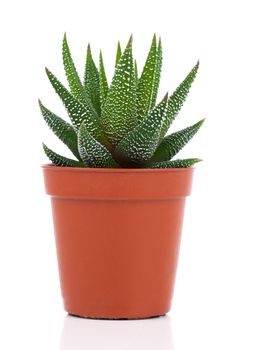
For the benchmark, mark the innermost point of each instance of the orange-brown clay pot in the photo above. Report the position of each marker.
(117, 236)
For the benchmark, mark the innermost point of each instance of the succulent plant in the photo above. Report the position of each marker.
(120, 125)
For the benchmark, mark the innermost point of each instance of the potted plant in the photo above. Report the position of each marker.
(118, 207)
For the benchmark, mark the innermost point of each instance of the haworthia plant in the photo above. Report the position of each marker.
(120, 125)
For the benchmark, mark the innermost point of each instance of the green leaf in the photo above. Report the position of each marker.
(119, 114)
(157, 75)
(149, 80)
(178, 163)
(177, 99)
(77, 111)
(173, 143)
(59, 160)
(140, 144)
(74, 82)
(118, 54)
(63, 130)
(136, 72)
(103, 82)
(91, 81)
(93, 154)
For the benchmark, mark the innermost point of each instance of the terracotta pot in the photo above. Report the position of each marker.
(117, 236)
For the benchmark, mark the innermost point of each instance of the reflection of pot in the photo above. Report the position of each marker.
(117, 236)
(153, 334)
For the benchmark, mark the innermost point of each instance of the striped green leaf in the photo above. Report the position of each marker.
(178, 163)
(149, 80)
(77, 111)
(118, 54)
(119, 114)
(63, 130)
(140, 144)
(103, 82)
(91, 81)
(177, 99)
(59, 160)
(74, 82)
(173, 143)
(93, 154)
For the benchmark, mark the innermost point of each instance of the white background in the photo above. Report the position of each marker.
(217, 303)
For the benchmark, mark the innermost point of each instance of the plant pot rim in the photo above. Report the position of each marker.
(117, 184)
(116, 170)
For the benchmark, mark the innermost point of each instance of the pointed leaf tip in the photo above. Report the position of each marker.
(130, 39)
(165, 98)
(40, 104)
